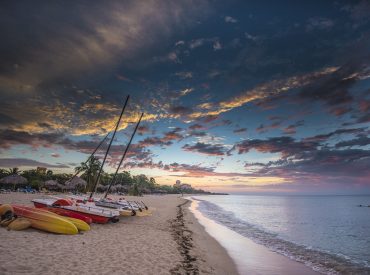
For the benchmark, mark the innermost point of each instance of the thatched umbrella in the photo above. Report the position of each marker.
(14, 180)
(76, 182)
(121, 188)
(51, 184)
(101, 187)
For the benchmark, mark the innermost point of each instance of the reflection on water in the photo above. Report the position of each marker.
(327, 233)
(249, 257)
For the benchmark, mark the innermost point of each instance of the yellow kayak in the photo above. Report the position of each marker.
(42, 220)
(81, 225)
(125, 213)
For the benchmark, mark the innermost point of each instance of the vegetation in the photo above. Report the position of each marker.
(124, 182)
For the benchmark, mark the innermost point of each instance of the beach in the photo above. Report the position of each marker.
(170, 241)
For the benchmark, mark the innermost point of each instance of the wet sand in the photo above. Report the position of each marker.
(250, 257)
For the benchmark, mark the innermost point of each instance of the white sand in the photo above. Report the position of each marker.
(135, 245)
(171, 241)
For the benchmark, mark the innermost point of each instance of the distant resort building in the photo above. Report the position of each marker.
(182, 186)
(185, 186)
(41, 170)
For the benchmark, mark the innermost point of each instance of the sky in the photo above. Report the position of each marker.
(238, 96)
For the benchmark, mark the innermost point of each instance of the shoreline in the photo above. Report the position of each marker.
(171, 241)
(195, 245)
(248, 256)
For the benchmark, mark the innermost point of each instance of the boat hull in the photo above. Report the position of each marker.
(45, 221)
(64, 212)
(75, 210)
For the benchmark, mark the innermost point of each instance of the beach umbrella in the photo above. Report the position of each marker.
(76, 182)
(51, 184)
(101, 187)
(13, 180)
(119, 187)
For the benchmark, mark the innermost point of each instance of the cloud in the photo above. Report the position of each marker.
(207, 149)
(82, 41)
(196, 127)
(184, 75)
(229, 19)
(217, 46)
(240, 130)
(17, 162)
(319, 23)
(292, 129)
(143, 129)
(263, 129)
(324, 137)
(286, 146)
(166, 140)
(262, 92)
(362, 140)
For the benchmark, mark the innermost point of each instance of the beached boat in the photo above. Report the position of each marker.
(45, 221)
(124, 209)
(69, 214)
(97, 214)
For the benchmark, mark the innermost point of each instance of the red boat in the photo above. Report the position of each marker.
(96, 214)
(70, 214)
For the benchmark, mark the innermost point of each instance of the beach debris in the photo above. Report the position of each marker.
(184, 239)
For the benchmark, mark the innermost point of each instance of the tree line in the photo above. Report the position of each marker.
(124, 181)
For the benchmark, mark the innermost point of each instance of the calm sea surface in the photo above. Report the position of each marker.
(331, 234)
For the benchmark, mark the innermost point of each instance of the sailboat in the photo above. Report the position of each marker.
(96, 213)
(125, 208)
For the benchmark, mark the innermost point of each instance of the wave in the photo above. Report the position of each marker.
(320, 261)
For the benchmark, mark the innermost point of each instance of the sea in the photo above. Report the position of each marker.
(329, 234)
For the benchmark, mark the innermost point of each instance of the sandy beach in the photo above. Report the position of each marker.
(170, 241)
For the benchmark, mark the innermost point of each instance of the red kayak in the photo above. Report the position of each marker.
(96, 214)
(70, 214)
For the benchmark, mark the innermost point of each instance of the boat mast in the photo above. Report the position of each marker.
(106, 153)
(92, 154)
(123, 157)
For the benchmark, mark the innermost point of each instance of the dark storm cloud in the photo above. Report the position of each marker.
(53, 53)
(207, 149)
(79, 37)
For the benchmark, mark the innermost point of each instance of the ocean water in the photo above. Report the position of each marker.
(330, 234)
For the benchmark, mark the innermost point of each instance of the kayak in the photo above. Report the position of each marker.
(81, 225)
(97, 214)
(45, 221)
(70, 214)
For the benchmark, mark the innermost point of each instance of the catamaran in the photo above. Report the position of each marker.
(95, 213)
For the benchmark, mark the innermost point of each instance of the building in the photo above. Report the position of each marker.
(41, 170)
(185, 186)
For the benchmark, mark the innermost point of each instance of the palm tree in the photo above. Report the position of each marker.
(14, 171)
(90, 170)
